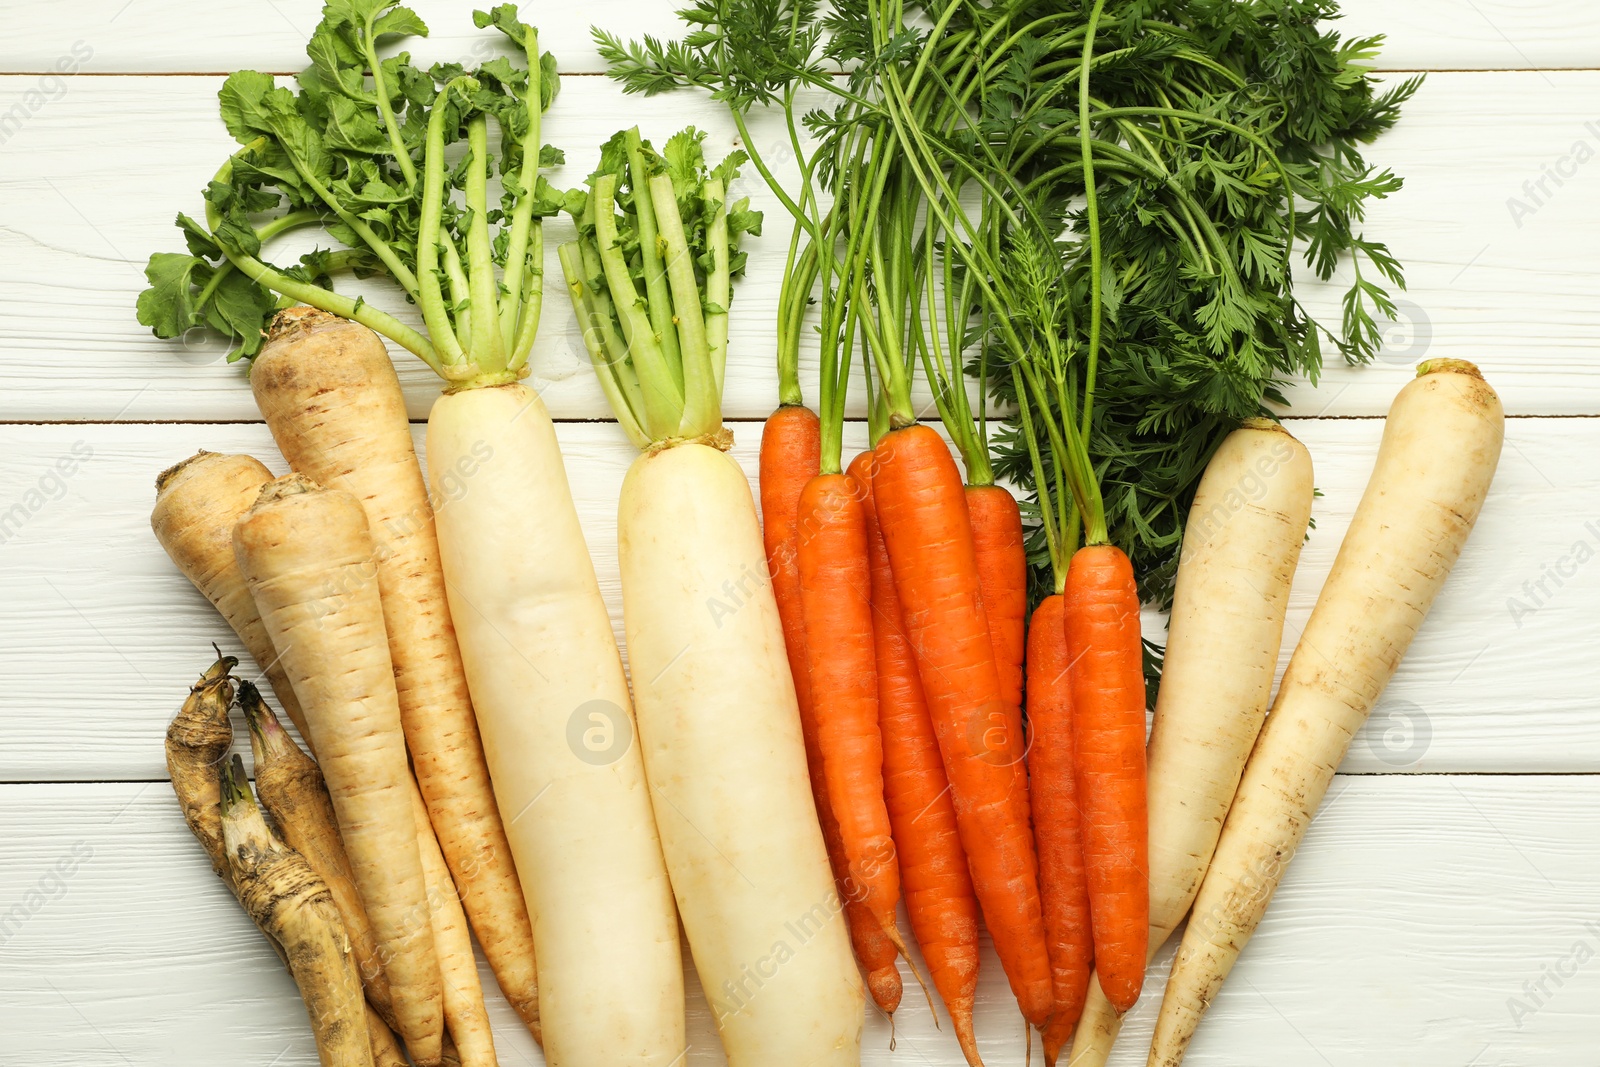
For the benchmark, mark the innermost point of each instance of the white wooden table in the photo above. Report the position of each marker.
(1445, 910)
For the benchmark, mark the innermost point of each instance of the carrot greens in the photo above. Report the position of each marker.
(1222, 139)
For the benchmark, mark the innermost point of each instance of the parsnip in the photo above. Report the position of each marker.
(197, 503)
(290, 786)
(1441, 444)
(310, 563)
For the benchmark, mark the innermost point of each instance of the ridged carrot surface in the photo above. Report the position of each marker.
(836, 593)
(1106, 657)
(790, 457)
(1057, 828)
(923, 514)
(933, 866)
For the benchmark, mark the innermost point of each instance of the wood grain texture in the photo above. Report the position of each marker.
(89, 193)
(166, 36)
(1396, 910)
(101, 634)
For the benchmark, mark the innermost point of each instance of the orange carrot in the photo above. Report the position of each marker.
(1056, 823)
(790, 457)
(1003, 577)
(836, 595)
(922, 512)
(933, 866)
(1102, 635)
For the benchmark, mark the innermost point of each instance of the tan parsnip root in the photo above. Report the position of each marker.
(308, 557)
(291, 788)
(292, 905)
(1241, 546)
(198, 740)
(1441, 444)
(465, 1016)
(197, 503)
(385, 1049)
(330, 395)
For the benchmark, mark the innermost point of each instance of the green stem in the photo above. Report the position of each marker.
(719, 287)
(513, 311)
(391, 126)
(488, 347)
(1091, 503)
(600, 340)
(702, 401)
(653, 256)
(327, 300)
(663, 396)
(532, 301)
(430, 293)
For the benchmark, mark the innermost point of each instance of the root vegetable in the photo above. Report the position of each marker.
(1441, 444)
(791, 457)
(198, 740)
(290, 786)
(197, 503)
(1058, 822)
(718, 720)
(310, 562)
(330, 395)
(923, 515)
(933, 867)
(553, 704)
(293, 907)
(466, 1018)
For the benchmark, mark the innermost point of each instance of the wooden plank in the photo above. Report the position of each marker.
(164, 36)
(119, 945)
(148, 36)
(1477, 34)
(100, 636)
(90, 193)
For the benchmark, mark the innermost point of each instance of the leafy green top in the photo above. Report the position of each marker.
(360, 150)
(650, 276)
(1223, 137)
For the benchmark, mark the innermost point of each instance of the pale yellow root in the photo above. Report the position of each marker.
(465, 1016)
(309, 560)
(290, 786)
(1240, 549)
(1441, 444)
(197, 503)
(329, 393)
(293, 907)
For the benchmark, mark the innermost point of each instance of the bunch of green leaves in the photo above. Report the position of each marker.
(651, 277)
(1226, 139)
(345, 151)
